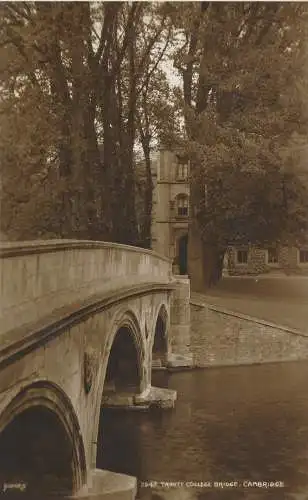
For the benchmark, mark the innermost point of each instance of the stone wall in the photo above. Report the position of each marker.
(165, 221)
(288, 262)
(257, 260)
(220, 337)
(62, 303)
(256, 263)
(59, 364)
(39, 277)
(179, 336)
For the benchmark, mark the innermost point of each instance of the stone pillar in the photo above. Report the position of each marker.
(180, 355)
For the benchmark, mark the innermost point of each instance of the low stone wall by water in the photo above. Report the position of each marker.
(220, 337)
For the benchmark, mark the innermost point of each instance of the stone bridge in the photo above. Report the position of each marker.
(82, 325)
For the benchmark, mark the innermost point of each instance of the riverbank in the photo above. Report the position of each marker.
(281, 300)
(247, 321)
(239, 424)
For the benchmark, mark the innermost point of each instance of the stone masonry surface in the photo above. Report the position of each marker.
(66, 298)
(38, 277)
(220, 337)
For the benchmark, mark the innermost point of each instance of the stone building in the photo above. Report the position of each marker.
(279, 259)
(170, 219)
(170, 213)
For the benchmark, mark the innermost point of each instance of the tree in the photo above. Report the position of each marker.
(91, 68)
(240, 113)
(154, 111)
(69, 77)
(30, 184)
(157, 125)
(50, 62)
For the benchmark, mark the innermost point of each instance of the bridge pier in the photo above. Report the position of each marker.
(156, 397)
(180, 356)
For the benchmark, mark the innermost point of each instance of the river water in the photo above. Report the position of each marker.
(240, 431)
(232, 428)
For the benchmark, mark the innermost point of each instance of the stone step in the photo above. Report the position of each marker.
(122, 401)
(180, 362)
(107, 485)
(157, 397)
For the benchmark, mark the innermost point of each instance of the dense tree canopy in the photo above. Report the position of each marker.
(83, 84)
(244, 85)
(72, 75)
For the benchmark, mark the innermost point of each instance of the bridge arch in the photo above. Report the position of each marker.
(125, 320)
(125, 334)
(41, 418)
(159, 341)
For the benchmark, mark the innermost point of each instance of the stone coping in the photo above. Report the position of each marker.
(25, 338)
(272, 274)
(18, 248)
(252, 319)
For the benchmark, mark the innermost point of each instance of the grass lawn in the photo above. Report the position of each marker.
(281, 300)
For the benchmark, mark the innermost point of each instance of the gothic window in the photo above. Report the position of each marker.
(182, 205)
(182, 171)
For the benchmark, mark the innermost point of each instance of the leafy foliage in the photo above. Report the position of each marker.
(84, 83)
(244, 86)
(71, 77)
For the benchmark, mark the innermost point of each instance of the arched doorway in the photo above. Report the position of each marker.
(160, 344)
(35, 451)
(182, 253)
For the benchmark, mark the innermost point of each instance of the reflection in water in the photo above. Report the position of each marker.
(229, 424)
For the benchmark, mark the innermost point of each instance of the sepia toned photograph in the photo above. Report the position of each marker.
(153, 250)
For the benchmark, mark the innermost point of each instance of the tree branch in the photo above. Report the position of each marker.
(153, 69)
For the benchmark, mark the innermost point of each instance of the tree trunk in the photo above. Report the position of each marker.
(205, 262)
(216, 266)
(197, 268)
(148, 193)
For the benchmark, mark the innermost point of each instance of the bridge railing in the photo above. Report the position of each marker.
(38, 277)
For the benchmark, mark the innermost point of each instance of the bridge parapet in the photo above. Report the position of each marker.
(38, 277)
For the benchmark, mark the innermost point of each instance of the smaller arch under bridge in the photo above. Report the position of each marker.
(82, 323)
